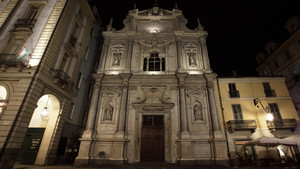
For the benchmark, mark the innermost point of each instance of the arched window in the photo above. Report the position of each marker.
(154, 63)
(3, 99)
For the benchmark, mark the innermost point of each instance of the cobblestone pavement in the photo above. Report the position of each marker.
(147, 166)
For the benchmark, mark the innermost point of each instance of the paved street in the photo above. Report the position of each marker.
(136, 166)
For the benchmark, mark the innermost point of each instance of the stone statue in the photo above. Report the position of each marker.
(192, 59)
(117, 58)
(109, 26)
(200, 27)
(108, 112)
(197, 112)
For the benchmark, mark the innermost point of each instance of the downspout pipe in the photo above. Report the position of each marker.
(224, 124)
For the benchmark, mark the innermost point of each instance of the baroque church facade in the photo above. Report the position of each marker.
(153, 98)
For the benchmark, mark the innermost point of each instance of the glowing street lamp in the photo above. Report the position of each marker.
(269, 115)
(45, 112)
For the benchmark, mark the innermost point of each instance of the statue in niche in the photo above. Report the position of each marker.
(192, 58)
(108, 112)
(197, 112)
(116, 59)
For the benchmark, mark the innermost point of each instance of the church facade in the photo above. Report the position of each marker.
(153, 100)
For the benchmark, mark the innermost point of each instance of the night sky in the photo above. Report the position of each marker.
(237, 29)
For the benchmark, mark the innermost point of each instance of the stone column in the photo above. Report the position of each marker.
(87, 140)
(205, 53)
(104, 52)
(129, 54)
(181, 77)
(93, 106)
(123, 108)
(213, 107)
(179, 57)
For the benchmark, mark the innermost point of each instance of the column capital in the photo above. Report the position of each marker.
(181, 78)
(125, 77)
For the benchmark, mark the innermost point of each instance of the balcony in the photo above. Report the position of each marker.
(72, 40)
(234, 93)
(270, 93)
(11, 60)
(282, 124)
(60, 76)
(28, 23)
(233, 125)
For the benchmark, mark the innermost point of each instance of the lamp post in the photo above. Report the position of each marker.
(269, 115)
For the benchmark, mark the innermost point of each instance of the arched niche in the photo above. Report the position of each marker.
(47, 122)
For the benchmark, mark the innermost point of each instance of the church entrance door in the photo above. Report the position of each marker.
(152, 141)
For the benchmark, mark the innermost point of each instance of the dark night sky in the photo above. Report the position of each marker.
(237, 29)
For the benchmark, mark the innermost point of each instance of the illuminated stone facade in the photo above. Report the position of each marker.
(154, 98)
(42, 45)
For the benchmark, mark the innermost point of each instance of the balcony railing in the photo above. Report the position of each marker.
(234, 93)
(11, 60)
(282, 124)
(61, 76)
(25, 23)
(72, 40)
(233, 125)
(270, 93)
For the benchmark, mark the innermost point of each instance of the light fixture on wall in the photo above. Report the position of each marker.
(269, 115)
(45, 112)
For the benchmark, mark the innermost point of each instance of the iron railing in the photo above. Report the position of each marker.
(282, 124)
(60, 75)
(233, 125)
(11, 60)
(25, 23)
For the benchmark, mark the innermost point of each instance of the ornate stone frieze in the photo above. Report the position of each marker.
(111, 91)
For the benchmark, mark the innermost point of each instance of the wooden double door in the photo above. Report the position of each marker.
(152, 140)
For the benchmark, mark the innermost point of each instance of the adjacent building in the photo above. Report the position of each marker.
(284, 60)
(46, 55)
(153, 99)
(243, 103)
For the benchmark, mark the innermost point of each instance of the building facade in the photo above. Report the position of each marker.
(284, 60)
(244, 102)
(153, 99)
(42, 45)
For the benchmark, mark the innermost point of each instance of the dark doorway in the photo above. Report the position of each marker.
(152, 141)
(31, 145)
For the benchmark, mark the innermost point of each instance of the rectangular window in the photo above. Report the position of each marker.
(71, 111)
(275, 111)
(237, 112)
(232, 90)
(86, 55)
(268, 91)
(79, 78)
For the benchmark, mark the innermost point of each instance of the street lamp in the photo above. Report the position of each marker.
(269, 115)
(44, 112)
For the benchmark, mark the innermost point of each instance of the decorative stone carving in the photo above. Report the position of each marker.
(196, 91)
(117, 54)
(197, 111)
(153, 94)
(191, 51)
(153, 44)
(116, 59)
(200, 27)
(108, 112)
(111, 91)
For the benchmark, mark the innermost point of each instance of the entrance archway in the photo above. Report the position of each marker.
(40, 130)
